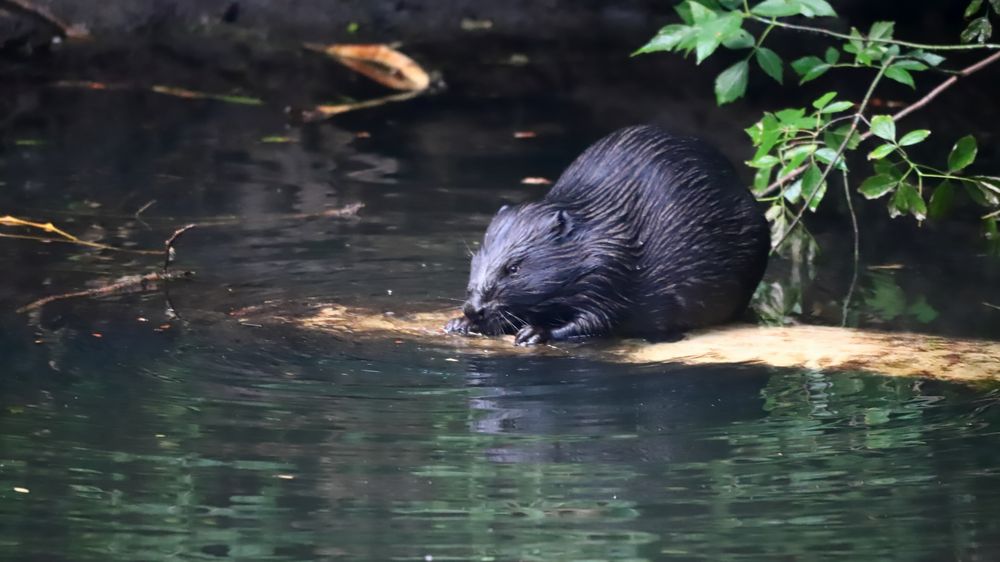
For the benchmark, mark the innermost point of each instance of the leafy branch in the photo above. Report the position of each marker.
(797, 149)
(813, 185)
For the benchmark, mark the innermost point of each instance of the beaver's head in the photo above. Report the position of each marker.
(527, 271)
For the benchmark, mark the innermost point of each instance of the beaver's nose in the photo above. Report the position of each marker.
(473, 310)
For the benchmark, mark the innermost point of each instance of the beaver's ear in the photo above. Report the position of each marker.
(562, 223)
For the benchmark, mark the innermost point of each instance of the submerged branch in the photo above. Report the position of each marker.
(128, 284)
(124, 285)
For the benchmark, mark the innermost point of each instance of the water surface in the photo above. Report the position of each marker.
(153, 427)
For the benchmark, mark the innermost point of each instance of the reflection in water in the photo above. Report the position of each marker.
(282, 450)
(128, 434)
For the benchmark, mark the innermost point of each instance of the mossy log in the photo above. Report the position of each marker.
(808, 347)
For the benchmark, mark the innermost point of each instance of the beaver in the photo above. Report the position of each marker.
(646, 234)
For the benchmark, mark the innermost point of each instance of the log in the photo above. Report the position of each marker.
(802, 346)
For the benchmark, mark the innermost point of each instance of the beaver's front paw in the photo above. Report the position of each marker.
(532, 335)
(460, 325)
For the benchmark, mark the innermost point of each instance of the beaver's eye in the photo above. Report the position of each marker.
(512, 269)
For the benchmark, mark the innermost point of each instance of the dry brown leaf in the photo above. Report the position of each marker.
(379, 62)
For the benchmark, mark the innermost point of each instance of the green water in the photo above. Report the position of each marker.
(155, 427)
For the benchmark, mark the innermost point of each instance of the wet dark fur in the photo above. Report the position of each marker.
(645, 234)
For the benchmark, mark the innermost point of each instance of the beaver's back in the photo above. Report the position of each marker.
(700, 239)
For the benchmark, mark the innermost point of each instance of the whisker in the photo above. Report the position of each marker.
(518, 318)
(503, 317)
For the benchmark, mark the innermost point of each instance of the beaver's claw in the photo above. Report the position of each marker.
(460, 325)
(532, 335)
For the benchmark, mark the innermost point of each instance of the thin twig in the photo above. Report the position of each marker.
(839, 154)
(777, 184)
(971, 69)
(168, 246)
(857, 249)
(8, 220)
(143, 208)
(925, 46)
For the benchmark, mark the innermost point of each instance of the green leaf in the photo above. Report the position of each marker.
(881, 30)
(980, 195)
(885, 298)
(777, 8)
(826, 156)
(907, 200)
(765, 134)
(979, 30)
(699, 13)
(821, 101)
(813, 8)
(756, 132)
(732, 83)
(834, 137)
(887, 168)
(812, 189)
(739, 40)
(814, 73)
(761, 180)
(884, 127)
(837, 106)
(790, 116)
(831, 55)
(990, 189)
(918, 207)
(765, 161)
(963, 153)
(877, 186)
(881, 152)
(930, 58)
(996, 5)
(972, 8)
(810, 68)
(672, 37)
(799, 153)
(795, 157)
(922, 310)
(713, 32)
(793, 119)
(770, 63)
(900, 75)
(793, 191)
(914, 137)
(941, 200)
(856, 43)
(913, 65)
